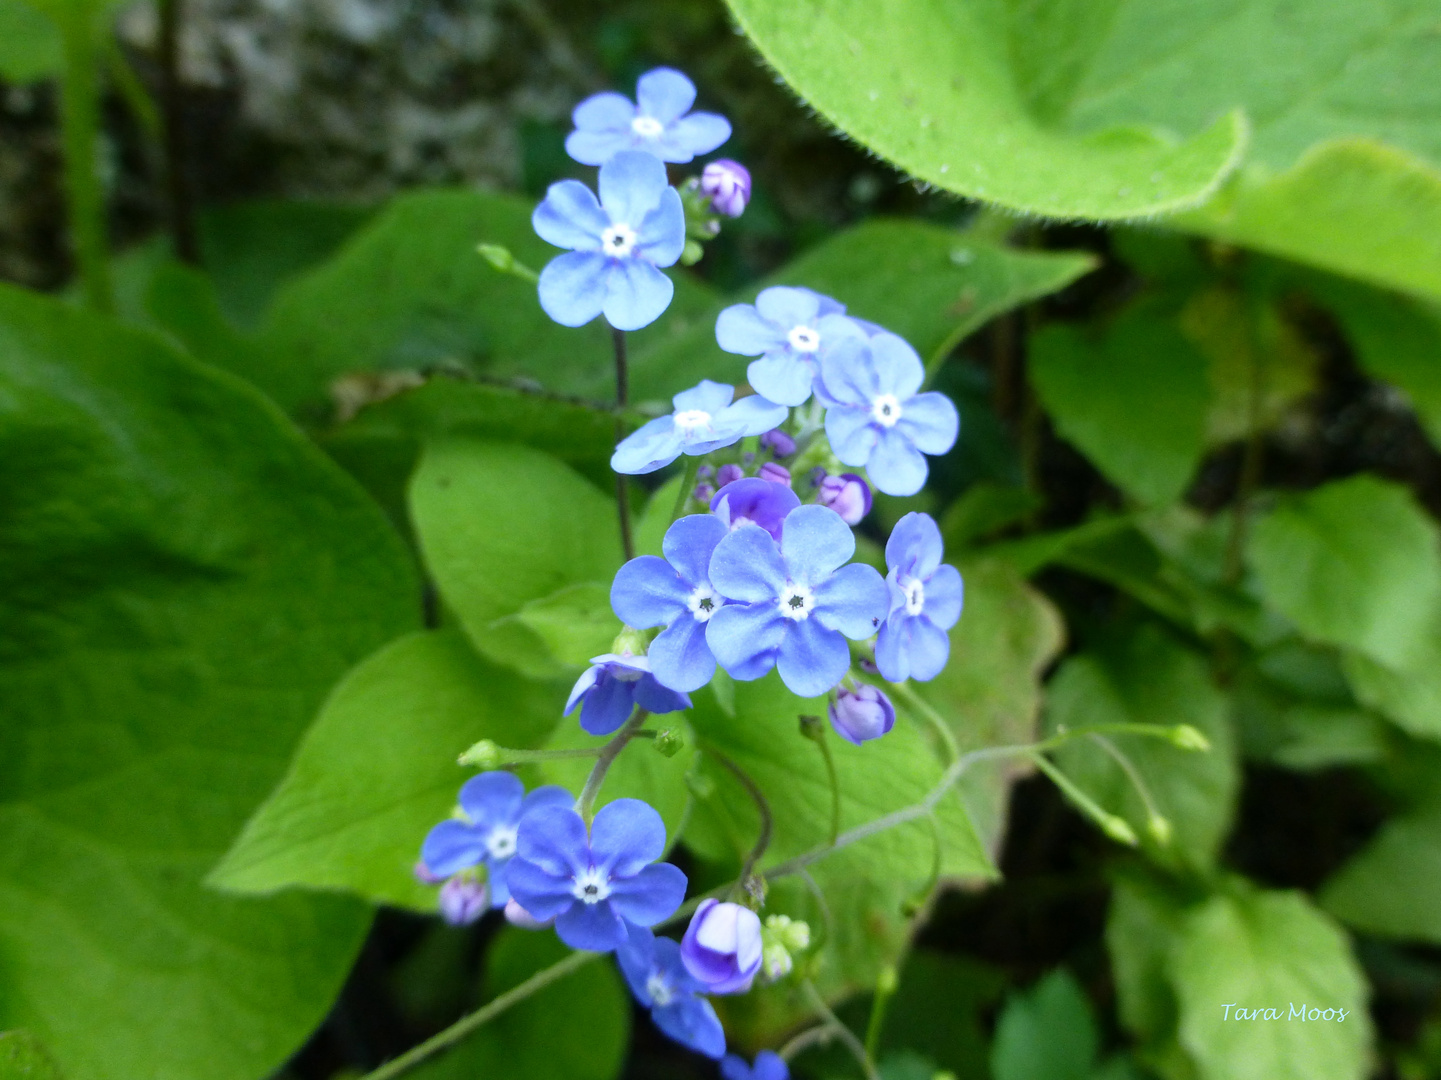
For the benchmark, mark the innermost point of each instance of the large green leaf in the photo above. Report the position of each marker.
(1269, 951)
(1150, 678)
(377, 770)
(1046, 1033)
(1393, 887)
(30, 46)
(184, 578)
(501, 526)
(1142, 925)
(971, 96)
(1133, 397)
(24, 1057)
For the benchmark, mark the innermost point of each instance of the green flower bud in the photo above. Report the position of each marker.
(483, 755)
(1188, 738)
(630, 642)
(670, 741)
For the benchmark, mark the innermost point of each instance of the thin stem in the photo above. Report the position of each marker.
(815, 730)
(885, 989)
(482, 1016)
(80, 123)
(487, 755)
(585, 805)
(687, 485)
(622, 397)
(1115, 827)
(907, 693)
(1153, 814)
(172, 103)
(137, 99)
(820, 1035)
(763, 838)
(845, 1034)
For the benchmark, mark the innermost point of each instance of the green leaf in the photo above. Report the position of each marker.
(377, 769)
(1269, 951)
(30, 46)
(957, 96)
(1355, 563)
(502, 525)
(1393, 887)
(1142, 925)
(937, 1010)
(1133, 398)
(185, 578)
(985, 508)
(575, 622)
(1046, 1033)
(1409, 696)
(24, 1057)
(1147, 677)
(574, 1029)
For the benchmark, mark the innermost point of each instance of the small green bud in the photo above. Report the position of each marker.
(630, 642)
(669, 741)
(1188, 738)
(692, 253)
(780, 937)
(1119, 830)
(887, 980)
(500, 257)
(1160, 829)
(483, 755)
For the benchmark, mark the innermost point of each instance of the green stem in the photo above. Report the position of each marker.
(814, 729)
(585, 805)
(763, 838)
(845, 1034)
(1113, 826)
(687, 485)
(886, 985)
(80, 124)
(907, 693)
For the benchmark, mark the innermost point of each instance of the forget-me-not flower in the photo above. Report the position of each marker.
(754, 501)
(594, 884)
(722, 946)
(704, 420)
(491, 808)
(674, 592)
(877, 419)
(610, 689)
(791, 330)
(926, 598)
(794, 604)
(617, 243)
(660, 122)
(768, 1066)
(653, 969)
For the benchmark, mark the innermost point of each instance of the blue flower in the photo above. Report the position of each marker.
(653, 969)
(769, 1066)
(674, 592)
(926, 599)
(609, 690)
(704, 420)
(754, 501)
(593, 886)
(875, 417)
(791, 330)
(616, 244)
(796, 603)
(607, 124)
(492, 806)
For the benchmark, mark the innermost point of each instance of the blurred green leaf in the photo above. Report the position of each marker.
(500, 526)
(1147, 677)
(1393, 887)
(377, 769)
(985, 508)
(937, 1010)
(185, 578)
(24, 1057)
(1269, 951)
(575, 622)
(30, 45)
(1133, 397)
(1046, 1033)
(1142, 925)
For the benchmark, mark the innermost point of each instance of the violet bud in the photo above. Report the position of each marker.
(861, 714)
(848, 495)
(518, 916)
(424, 875)
(704, 472)
(722, 947)
(778, 443)
(728, 474)
(775, 473)
(703, 492)
(463, 899)
(727, 184)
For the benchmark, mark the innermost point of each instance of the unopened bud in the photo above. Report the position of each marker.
(1188, 738)
(483, 755)
(728, 185)
(780, 937)
(669, 741)
(464, 899)
(848, 495)
(1160, 829)
(630, 642)
(778, 443)
(775, 473)
(424, 875)
(500, 257)
(728, 474)
(1118, 829)
(692, 253)
(703, 493)
(861, 714)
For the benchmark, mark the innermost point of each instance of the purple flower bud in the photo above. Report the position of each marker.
(775, 473)
(728, 474)
(425, 875)
(728, 185)
(704, 472)
(778, 443)
(848, 495)
(754, 500)
(703, 493)
(518, 916)
(748, 458)
(463, 899)
(722, 947)
(861, 714)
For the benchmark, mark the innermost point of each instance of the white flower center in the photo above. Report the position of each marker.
(689, 421)
(915, 591)
(590, 887)
(659, 990)
(501, 842)
(796, 601)
(804, 339)
(647, 127)
(886, 410)
(702, 603)
(618, 240)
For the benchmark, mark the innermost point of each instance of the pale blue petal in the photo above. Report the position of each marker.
(812, 659)
(649, 896)
(542, 894)
(630, 186)
(693, 135)
(680, 657)
(597, 147)
(665, 94)
(573, 287)
(626, 835)
(608, 706)
(929, 648)
(895, 466)
(592, 927)
(945, 593)
(692, 1022)
(492, 798)
(781, 379)
(899, 370)
(647, 592)
(744, 638)
(653, 697)
(848, 373)
(854, 600)
(747, 566)
(741, 329)
(834, 329)
(788, 307)
(582, 686)
(915, 548)
(554, 839)
(891, 657)
(636, 294)
(931, 423)
(570, 217)
(706, 396)
(851, 433)
(825, 305)
(815, 543)
(754, 415)
(545, 797)
(647, 449)
(661, 235)
(606, 111)
(689, 544)
(450, 847)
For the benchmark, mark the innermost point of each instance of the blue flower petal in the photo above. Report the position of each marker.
(597, 147)
(542, 894)
(450, 847)
(626, 835)
(812, 659)
(692, 1021)
(892, 657)
(680, 657)
(851, 433)
(499, 885)
(608, 706)
(853, 600)
(754, 415)
(593, 927)
(707, 396)
(573, 287)
(631, 184)
(741, 329)
(665, 94)
(931, 423)
(660, 238)
(895, 466)
(693, 135)
(648, 592)
(607, 111)
(770, 1066)
(849, 373)
(636, 294)
(492, 798)
(651, 447)
(929, 648)
(653, 697)
(788, 307)
(744, 638)
(898, 367)
(689, 544)
(554, 840)
(570, 217)
(781, 379)
(945, 594)
(815, 543)
(915, 548)
(650, 895)
(748, 566)
(636, 959)
(545, 797)
(588, 678)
